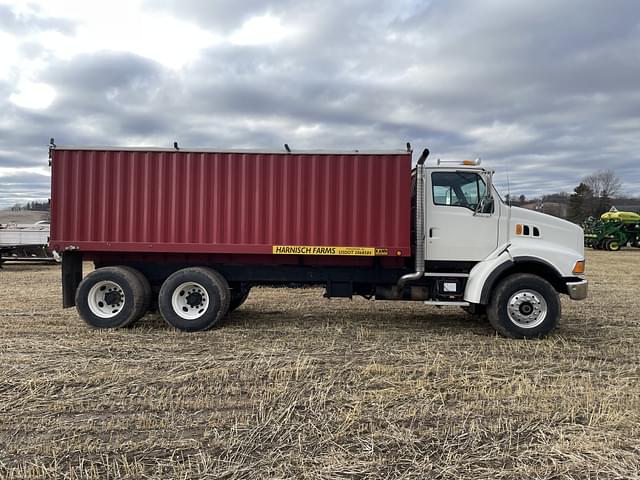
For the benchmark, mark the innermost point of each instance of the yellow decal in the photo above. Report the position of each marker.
(318, 250)
(382, 252)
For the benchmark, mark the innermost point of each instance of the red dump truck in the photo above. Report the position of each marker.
(191, 231)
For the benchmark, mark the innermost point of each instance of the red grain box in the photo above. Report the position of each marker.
(228, 202)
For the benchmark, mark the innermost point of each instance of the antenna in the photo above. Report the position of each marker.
(508, 180)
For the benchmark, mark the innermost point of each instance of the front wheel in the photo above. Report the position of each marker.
(524, 306)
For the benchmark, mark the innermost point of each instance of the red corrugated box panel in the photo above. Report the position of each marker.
(228, 202)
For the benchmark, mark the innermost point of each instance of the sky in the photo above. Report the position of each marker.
(543, 91)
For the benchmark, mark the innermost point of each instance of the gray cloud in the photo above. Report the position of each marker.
(222, 15)
(547, 89)
(20, 24)
(21, 187)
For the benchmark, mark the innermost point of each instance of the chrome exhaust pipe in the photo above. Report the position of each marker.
(419, 273)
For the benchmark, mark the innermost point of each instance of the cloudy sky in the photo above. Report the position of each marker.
(549, 89)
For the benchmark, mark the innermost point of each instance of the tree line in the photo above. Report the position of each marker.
(594, 195)
(35, 205)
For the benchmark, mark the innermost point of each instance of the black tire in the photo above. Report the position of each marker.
(200, 298)
(225, 293)
(110, 297)
(528, 294)
(239, 295)
(146, 292)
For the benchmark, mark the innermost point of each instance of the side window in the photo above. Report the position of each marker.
(442, 195)
(460, 189)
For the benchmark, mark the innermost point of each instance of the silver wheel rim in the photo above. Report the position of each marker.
(527, 308)
(106, 299)
(190, 300)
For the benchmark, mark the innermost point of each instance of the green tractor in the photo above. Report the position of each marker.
(612, 230)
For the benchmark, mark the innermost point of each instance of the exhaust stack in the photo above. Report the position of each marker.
(419, 273)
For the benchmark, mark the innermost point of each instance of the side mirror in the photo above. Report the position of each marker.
(485, 205)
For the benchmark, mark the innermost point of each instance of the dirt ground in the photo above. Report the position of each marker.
(22, 217)
(296, 386)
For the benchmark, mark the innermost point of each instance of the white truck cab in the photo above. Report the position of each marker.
(515, 261)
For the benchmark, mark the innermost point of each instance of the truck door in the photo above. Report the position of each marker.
(459, 226)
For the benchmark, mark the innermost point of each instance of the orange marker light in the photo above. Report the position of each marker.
(578, 268)
(468, 162)
(398, 252)
(518, 229)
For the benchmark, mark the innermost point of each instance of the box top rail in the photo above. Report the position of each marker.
(239, 150)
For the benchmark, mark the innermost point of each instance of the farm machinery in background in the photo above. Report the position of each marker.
(26, 243)
(612, 230)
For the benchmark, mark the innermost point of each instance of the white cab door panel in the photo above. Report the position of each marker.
(454, 231)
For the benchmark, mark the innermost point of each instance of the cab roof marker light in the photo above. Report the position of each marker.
(474, 163)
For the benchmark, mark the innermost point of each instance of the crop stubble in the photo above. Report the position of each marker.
(296, 386)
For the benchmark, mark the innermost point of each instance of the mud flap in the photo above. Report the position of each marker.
(71, 277)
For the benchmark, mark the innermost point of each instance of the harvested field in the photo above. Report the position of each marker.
(296, 386)
(23, 216)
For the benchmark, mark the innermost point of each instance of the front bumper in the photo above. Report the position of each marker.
(578, 290)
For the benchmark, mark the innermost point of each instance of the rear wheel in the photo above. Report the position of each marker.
(239, 295)
(147, 293)
(524, 306)
(225, 293)
(193, 299)
(110, 297)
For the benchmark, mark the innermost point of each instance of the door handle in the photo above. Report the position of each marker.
(431, 232)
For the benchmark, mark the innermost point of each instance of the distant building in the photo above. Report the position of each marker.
(552, 208)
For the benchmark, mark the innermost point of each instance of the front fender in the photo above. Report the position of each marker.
(484, 273)
(551, 262)
(559, 257)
